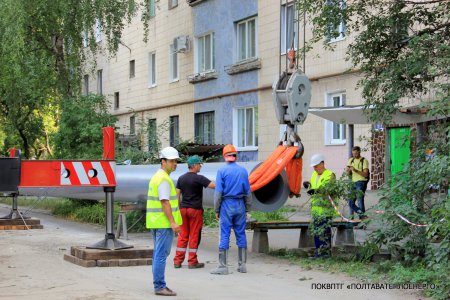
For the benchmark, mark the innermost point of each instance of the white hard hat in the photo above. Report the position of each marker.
(169, 153)
(317, 159)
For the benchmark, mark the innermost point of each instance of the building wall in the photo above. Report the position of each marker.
(136, 95)
(325, 70)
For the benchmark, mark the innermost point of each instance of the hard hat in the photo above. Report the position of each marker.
(317, 159)
(229, 153)
(169, 153)
(193, 160)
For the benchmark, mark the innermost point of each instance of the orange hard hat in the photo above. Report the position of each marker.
(228, 149)
(229, 153)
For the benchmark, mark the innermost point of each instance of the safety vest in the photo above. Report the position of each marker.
(155, 217)
(321, 206)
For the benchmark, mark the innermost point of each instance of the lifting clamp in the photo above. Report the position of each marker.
(291, 95)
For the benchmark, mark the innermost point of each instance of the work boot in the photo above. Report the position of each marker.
(222, 268)
(242, 260)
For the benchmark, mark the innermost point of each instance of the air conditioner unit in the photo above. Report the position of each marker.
(181, 43)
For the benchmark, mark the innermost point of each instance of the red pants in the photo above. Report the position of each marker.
(190, 233)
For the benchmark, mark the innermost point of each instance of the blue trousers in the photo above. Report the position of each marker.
(162, 239)
(232, 216)
(360, 187)
(322, 236)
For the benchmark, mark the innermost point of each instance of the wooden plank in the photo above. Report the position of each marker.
(31, 221)
(97, 254)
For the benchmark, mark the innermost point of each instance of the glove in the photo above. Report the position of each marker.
(311, 192)
(306, 184)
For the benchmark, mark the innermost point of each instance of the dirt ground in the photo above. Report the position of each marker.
(32, 267)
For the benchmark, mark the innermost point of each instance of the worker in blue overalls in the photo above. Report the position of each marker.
(232, 201)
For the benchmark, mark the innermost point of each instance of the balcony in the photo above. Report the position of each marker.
(243, 66)
(199, 77)
(194, 2)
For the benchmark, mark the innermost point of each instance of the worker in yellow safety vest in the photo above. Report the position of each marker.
(322, 211)
(163, 217)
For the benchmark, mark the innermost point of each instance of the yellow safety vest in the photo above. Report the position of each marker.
(321, 206)
(155, 217)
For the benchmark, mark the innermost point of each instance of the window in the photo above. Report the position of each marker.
(246, 39)
(246, 128)
(151, 8)
(204, 128)
(173, 4)
(132, 68)
(173, 64)
(132, 125)
(98, 31)
(152, 136)
(335, 133)
(86, 85)
(152, 69)
(205, 53)
(174, 131)
(289, 28)
(85, 39)
(116, 100)
(336, 33)
(100, 82)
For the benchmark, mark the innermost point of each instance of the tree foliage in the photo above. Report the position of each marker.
(401, 47)
(43, 56)
(80, 132)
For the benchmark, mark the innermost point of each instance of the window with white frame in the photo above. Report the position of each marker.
(335, 133)
(100, 82)
(174, 130)
(151, 8)
(132, 125)
(152, 69)
(132, 68)
(173, 4)
(245, 124)
(98, 31)
(86, 85)
(85, 39)
(205, 53)
(289, 27)
(246, 39)
(173, 63)
(152, 135)
(204, 127)
(337, 32)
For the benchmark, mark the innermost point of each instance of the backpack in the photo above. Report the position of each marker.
(361, 162)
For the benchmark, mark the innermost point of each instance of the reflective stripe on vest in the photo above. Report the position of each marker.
(319, 205)
(155, 217)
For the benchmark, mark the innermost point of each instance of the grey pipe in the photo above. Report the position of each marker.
(132, 185)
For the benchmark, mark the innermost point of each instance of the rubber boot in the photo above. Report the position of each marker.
(222, 268)
(242, 260)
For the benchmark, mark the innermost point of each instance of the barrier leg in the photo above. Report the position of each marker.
(14, 213)
(110, 242)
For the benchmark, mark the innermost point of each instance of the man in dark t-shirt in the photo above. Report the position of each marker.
(190, 190)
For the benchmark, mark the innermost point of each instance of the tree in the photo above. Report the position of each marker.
(43, 54)
(80, 132)
(402, 50)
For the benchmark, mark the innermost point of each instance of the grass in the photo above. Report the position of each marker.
(391, 272)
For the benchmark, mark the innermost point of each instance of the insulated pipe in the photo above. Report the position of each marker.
(132, 186)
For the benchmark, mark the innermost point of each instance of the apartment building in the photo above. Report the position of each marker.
(207, 72)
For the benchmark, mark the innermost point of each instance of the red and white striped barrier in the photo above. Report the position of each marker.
(80, 173)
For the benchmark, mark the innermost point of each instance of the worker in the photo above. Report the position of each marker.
(163, 217)
(322, 211)
(232, 201)
(190, 190)
(358, 169)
